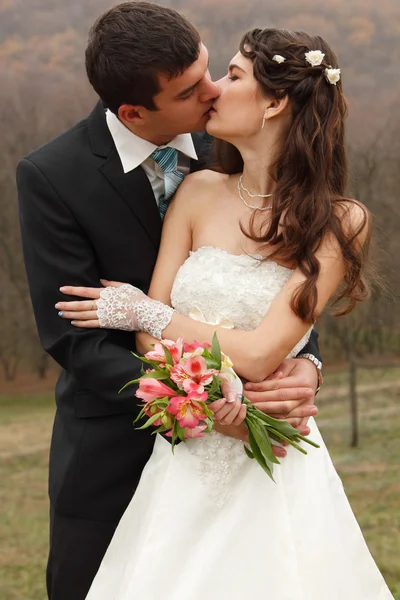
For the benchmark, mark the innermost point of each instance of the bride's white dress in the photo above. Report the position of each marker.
(207, 523)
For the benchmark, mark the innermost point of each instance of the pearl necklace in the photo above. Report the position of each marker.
(240, 186)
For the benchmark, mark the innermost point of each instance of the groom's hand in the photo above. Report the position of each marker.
(287, 394)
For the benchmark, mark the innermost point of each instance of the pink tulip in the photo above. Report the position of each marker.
(191, 387)
(158, 353)
(188, 409)
(196, 432)
(178, 374)
(196, 368)
(175, 348)
(193, 370)
(152, 389)
(195, 346)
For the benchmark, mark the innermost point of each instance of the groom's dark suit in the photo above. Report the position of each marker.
(83, 219)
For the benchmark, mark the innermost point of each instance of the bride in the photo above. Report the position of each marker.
(254, 251)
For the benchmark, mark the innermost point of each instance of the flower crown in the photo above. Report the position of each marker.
(315, 58)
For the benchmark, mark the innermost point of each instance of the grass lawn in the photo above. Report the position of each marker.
(370, 474)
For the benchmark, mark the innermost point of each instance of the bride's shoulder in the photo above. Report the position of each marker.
(204, 179)
(203, 185)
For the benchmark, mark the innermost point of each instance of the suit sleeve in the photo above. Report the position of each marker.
(58, 252)
(312, 346)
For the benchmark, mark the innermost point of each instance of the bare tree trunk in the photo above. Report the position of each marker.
(42, 365)
(351, 357)
(10, 365)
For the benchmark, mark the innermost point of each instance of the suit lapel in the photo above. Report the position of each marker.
(133, 187)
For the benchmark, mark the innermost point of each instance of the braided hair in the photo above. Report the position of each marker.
(311, 168)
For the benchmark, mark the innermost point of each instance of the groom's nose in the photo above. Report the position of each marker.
(210, 91)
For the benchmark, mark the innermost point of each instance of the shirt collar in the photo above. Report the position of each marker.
(134, 150)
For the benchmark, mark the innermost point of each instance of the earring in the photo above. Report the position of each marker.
(263, 123)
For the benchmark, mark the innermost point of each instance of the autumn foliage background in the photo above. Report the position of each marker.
(43, 90)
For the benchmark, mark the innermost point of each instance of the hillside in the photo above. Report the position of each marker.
(49, 36)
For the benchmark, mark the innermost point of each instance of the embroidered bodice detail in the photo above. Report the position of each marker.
(230, 290)
(227, 287)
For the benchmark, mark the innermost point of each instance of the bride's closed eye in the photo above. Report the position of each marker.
(233, 77)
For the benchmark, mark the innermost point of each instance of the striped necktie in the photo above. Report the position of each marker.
(167, 159)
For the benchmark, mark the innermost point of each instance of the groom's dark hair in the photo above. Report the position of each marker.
(133, 43)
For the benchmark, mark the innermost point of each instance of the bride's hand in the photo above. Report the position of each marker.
(83, 313)
(229, 415)
(115, 306)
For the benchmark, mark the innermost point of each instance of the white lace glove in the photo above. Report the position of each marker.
(129, 309)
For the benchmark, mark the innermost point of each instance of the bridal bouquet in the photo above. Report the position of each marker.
(182, 379)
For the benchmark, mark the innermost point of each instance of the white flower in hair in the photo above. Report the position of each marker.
(332, 75)
(314, 57)
(278, 58)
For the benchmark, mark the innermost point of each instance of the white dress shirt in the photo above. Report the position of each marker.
(134, 151)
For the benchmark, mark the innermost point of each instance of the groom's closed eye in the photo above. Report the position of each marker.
(188, 92)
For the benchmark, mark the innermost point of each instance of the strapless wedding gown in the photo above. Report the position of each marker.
(207, 523)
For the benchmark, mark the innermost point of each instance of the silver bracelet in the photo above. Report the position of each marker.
(318, 364)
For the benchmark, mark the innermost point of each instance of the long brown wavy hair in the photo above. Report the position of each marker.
(311, 168)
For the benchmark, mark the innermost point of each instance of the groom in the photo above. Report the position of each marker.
(90, 204)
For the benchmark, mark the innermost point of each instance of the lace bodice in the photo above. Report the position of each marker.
(231, 290)
(228, 289)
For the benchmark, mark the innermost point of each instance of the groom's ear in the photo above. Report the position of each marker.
(131, 114)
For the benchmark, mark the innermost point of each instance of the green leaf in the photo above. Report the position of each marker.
(140, 415)
(149, 422)
(153, 363)
(248, 451)
(210, 425)
(215, 386)
(212, 363)
(168, 357)
(263, 441)
(209, 413)
(216, 350)
(133, 382)
(268, 468)
(160, 429)
(308, 441)
(174, 435)
(161, 402)
(278, 430)
(283, 426)
(180, 431)
(159, 375)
